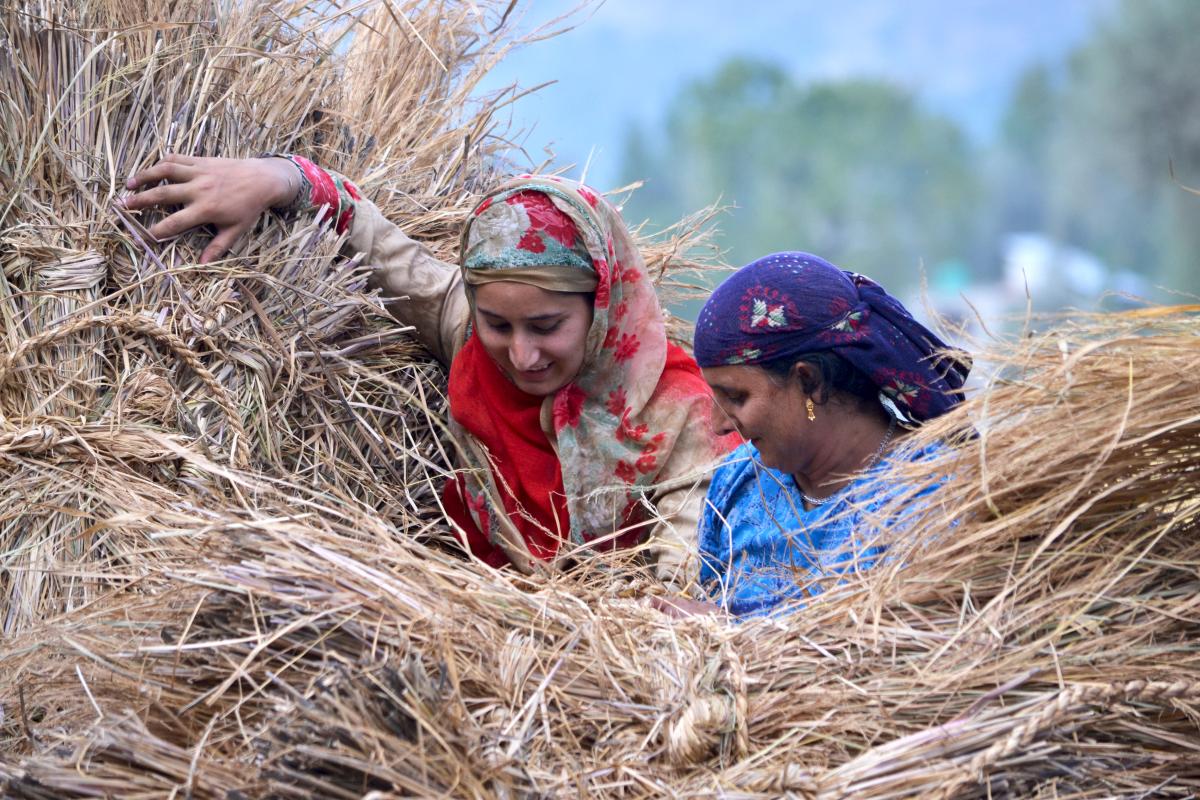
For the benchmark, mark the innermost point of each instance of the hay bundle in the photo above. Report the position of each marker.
(125, 357)
(1042, 645)
(124, 362)
(222, 571)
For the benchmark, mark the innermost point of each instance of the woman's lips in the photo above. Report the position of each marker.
(534, 374)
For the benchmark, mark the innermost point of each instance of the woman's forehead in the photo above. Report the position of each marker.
(511, 299)
(739, 377)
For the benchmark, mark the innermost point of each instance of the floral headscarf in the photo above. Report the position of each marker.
(524, 233)
(637, 415)
(786, 305)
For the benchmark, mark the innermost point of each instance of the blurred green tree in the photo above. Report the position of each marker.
(1018, 170)
(1131, 106)
(854, 171)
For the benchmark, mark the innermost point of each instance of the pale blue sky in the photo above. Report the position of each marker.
(626, 60)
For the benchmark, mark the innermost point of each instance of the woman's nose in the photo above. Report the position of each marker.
(722, 421)
(523, 353)
(725, 426)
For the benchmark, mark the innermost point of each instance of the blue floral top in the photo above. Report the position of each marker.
(759, 547)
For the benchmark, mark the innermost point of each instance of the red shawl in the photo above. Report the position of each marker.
(637, 416)
(507, 421)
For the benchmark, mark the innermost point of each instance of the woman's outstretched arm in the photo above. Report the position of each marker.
(232, 193)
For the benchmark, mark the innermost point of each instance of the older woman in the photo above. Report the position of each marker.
(582, 426)
(822, 371)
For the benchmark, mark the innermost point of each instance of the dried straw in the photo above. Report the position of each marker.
(225, 573)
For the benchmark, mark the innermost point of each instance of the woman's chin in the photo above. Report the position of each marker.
(537, 391)
(537, 385)
(765, 457)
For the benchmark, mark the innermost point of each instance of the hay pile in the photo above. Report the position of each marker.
(225, 574)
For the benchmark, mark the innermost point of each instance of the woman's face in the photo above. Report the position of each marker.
(537, 337)
(769, 413)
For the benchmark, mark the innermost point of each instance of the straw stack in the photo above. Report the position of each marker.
(225, 574)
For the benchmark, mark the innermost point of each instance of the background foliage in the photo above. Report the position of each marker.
(861, 173)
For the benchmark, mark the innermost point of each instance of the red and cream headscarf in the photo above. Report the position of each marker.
(636, 418)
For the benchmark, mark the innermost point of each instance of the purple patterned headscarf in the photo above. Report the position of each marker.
(786, 305)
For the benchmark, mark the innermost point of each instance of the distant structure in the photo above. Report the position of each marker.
(1036, 271)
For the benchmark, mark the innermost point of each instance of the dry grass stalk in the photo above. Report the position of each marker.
(274, 359)
(1006, 655)
(223, 566)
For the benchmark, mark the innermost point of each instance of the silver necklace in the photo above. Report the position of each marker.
(887, 437)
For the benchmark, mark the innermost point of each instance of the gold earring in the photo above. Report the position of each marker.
(808, 404)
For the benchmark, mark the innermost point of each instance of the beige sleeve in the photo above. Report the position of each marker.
(418, 289)
(674, 540)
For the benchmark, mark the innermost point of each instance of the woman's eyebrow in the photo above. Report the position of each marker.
(534, 318)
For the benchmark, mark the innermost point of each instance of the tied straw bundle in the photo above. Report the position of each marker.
(1041, 645)
(123, 353)
(223, 565)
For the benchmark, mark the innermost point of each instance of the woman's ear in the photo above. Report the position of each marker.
(809, 380)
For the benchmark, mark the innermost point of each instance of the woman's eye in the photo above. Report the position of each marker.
(544, 329)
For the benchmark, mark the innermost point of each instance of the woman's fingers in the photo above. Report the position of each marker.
(162, 171)
(167, 194)
(180, 158)
(174, 224)
(682, 607)
(663, 605)
(222, 243)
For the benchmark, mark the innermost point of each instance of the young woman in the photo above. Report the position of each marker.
(582, 426)
(822, 371)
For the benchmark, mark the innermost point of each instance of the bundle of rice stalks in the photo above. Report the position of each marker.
(121, 355)
(222, 570)
(131, 379)
(1035, 639)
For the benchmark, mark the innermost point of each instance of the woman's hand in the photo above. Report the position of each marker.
(682, 607)
(228, 193)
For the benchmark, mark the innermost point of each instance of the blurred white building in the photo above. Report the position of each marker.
(1038, 274)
